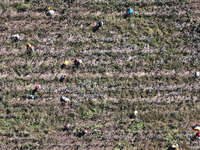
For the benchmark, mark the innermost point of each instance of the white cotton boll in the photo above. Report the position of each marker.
(132, 26)
(197, 74)
(50, 12)
(15, 36)
(80, 61)
(135, 112)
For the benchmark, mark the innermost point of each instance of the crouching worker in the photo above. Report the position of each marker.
(99, 25)
(30, 48)
(37, 88)
(77, 62)
(50, 12)
(128, 13)
(64, 100)
(174, 147)
(63, 77)
(196, 128)
(15, 38)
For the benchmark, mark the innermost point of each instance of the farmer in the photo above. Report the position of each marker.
(66, 62)
(37, 88)
(128, 13)
(77, 62)
(82, 132)
(174, 147)
(62, 78)
(99, 25)
(50, 12)
(15, 37)
(64, 100)
(30, 48)
(196, 128)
